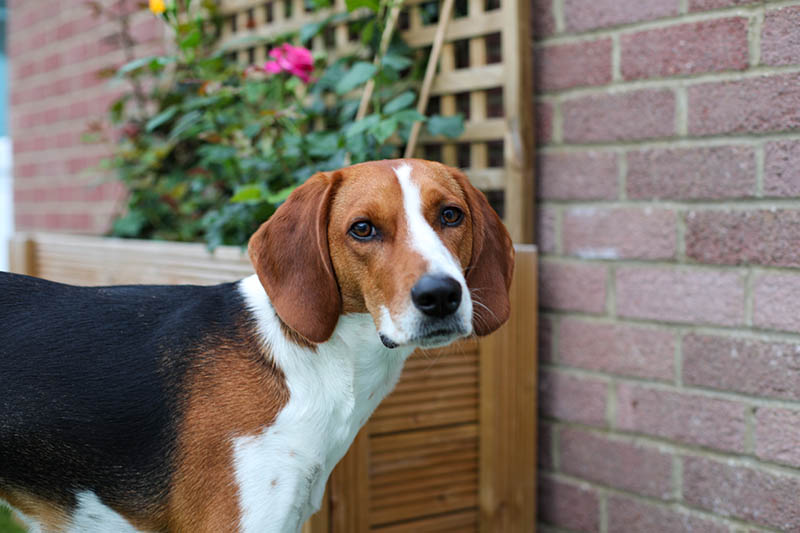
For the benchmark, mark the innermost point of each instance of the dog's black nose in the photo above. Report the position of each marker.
(437, 295)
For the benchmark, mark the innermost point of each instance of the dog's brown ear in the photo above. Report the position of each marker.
(490, 269)
(292, 260)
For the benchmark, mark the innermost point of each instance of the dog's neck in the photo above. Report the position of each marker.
(334, 388)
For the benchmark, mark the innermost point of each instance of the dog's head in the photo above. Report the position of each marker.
(411, 242)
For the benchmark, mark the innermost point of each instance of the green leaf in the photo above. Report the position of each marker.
(395, 61)
(362, 125)
(401, 101)
(184, 123)
(384, 129)
(308, 31)
(161, 118)
(135, 64)
(448, 126)
(358, 74)
(251, 193)
(408, 116)
(129, 225)
(372, 5)
(191, 40)
(323, 144)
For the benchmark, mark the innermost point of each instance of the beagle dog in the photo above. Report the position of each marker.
(225, 408)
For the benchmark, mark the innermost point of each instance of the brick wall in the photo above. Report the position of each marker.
(56, 50)
(669, 221)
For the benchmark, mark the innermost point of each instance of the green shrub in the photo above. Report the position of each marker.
(208, 148)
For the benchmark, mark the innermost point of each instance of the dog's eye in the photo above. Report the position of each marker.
(362, 230)
(452, 216)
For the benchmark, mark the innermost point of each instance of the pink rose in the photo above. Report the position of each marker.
(295, 60)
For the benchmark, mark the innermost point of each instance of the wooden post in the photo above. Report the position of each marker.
(22, 254)
(519, 142)
(508, 410)
(349, 489)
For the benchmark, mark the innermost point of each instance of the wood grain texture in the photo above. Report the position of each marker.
(508, 410)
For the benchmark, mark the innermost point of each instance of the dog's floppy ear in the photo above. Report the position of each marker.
(292, 260)
(490, 269)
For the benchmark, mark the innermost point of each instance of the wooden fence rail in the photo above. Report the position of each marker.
(451, 449)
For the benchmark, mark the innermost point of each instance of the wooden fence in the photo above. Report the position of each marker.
(451, 449)
(484, 72)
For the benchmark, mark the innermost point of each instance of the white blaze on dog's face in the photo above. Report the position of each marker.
(400, 235)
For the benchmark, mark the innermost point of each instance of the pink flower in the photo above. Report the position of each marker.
(295, 60)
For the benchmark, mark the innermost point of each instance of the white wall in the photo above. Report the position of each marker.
(6, 196)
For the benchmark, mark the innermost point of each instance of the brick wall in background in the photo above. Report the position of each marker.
(669, 221)
(56, 50)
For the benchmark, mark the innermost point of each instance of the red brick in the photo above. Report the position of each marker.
(617, 348)
(544, 122)
(707, 5)
(782, 168)
(728, 489)
(543, 22)
(776, 301)
(758, 368)
(620, 233)
(544, 449)
(706, 46)
(753, 105)
(618, 464)
(546, 223)
(568, 505)
(640, 114)
(715, 172)
(780, 38)
(589, 175)
(574, 399)
(777, 435)
(687, 295)
(683, 417)
(546, 332)
(763, 237)
(581, 15)
(561, 66)
(573, 287)
(626, 515)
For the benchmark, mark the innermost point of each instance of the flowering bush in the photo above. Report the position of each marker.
(208, 148)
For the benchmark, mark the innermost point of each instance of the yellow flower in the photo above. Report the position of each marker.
(157, 6)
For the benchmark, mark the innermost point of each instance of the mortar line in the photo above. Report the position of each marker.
(748, 139)
(665, 386)
(624, 86)
(558, 15)
(734, 332)
(665, 22)
(760, 154)
(671, 447)
(754, 28)
(680, 507)
(622, 175)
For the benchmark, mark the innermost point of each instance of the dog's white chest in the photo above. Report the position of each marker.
(281, 472)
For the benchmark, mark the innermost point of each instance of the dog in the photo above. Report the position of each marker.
(225, 408)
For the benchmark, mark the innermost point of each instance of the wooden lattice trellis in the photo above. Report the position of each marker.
(484, 73)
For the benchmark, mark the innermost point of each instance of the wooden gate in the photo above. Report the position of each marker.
(451, 449)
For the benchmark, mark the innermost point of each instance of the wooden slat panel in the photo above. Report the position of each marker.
(452, 522)
(421, 473)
